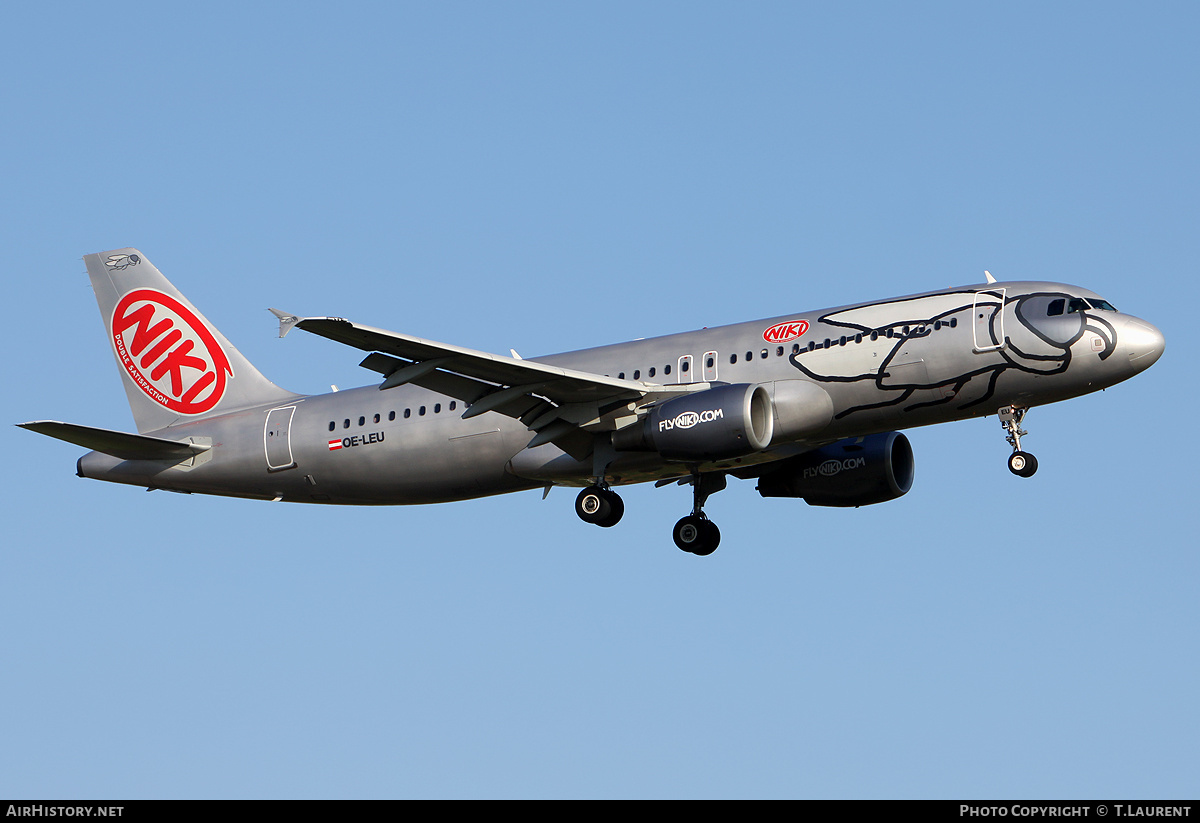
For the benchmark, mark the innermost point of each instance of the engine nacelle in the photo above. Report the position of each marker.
(855, 472)
(716, 424)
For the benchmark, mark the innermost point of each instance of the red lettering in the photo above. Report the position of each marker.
(178, 341)
(167, 342)
(144, 334)
(199, 386)
(174, 362)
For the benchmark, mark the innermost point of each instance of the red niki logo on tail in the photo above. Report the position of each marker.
(169, 352)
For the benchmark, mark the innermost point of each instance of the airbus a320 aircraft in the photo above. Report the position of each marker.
(806, 404)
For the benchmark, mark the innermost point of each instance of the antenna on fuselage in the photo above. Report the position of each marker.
(989, 277)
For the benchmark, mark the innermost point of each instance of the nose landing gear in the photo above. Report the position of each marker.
(1020, 463)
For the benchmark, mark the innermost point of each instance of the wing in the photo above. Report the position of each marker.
(561, 406)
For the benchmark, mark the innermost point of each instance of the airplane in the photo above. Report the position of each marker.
(810, 405)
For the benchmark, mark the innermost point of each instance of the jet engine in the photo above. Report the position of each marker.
(715, 424)
(855, 472)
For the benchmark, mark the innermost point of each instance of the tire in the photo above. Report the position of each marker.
(593, 505)
(711, 539)
(696, 535)
(616, 509)
(1022, 464)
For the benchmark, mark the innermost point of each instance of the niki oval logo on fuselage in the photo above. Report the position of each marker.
(783, 332)
(169, 352)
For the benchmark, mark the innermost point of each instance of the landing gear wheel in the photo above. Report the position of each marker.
(599, 506)
(616, 510)
(697, 535)
(1022, 464)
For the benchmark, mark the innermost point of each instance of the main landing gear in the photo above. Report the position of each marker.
(696, 533)
(601, 506)
(1022, 464)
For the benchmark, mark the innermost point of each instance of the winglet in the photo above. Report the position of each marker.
(286, 321)
(986, 274)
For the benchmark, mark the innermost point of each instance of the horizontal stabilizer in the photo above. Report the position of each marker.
(121, 445)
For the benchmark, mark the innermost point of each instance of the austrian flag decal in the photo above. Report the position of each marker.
(169, 352)
(335, 444)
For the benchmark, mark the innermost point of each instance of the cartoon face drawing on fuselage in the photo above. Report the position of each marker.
(1050, 324)
(952, 347)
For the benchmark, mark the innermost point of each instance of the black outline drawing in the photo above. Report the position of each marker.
(116, 262)
(1056, 332)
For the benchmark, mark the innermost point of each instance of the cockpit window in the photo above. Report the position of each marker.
(1078, 304)
(1056, 307)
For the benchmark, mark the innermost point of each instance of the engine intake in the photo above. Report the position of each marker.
(855, 472)
(716, 424)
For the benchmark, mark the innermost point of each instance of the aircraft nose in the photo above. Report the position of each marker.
(1143, 342)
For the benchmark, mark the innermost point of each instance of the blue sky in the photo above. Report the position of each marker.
(549, 176)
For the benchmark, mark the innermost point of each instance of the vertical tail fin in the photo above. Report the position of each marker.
(175, 365)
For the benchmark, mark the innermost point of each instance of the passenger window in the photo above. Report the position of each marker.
(377, 418)
(709, 363)
(651, 372)
(621, 376)
(779, 351)
(732, 359)
(362, 421)
(437, 408)
(453, 403)
(685, 366)
(346, 423)
(749, 356)
(637, 374)
(667, 369)
(332, 425)
(391, 415)
(407, 413)
(421, 411)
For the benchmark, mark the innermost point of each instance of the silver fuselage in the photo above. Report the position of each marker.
(886, 365)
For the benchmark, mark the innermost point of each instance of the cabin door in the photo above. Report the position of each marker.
(987, 320)
(277, 439)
